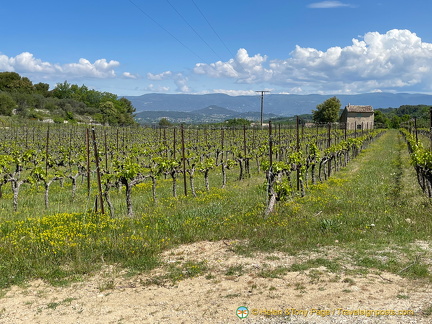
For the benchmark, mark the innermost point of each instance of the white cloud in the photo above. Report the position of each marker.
(161, 76)
(394, 60)
(5, 65)
(244, 68)
(84, 68)
(153, 88)
(235, 92)
(328, 4)
(27, 63)
(179, 79)
(181, 82)
(128, 75)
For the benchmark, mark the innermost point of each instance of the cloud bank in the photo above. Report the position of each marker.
(397, 60)
(391, 61)
(27, 63)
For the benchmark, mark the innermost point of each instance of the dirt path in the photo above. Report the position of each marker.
(215, 296)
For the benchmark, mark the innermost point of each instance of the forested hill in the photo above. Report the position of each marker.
(66, 102)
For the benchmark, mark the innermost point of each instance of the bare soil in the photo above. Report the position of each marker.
(213, 297)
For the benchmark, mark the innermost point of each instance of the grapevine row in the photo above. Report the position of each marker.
(125, 157)
(421, 159)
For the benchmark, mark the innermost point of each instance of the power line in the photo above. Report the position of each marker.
(220, 39)
(166, 30)
(214, 31)
(184, 45)
(193, 29)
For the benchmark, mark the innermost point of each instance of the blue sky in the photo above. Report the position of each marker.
(133, 47)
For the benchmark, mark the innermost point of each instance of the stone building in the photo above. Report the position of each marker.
(358, 117)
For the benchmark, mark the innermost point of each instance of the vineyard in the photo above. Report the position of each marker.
(73, 198)
(95, 165)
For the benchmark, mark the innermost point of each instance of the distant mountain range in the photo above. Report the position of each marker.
(210, 114)
(224, 106)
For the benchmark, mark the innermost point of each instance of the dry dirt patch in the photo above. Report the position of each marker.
(262, 283)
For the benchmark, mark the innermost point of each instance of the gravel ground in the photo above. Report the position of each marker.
(111, 297)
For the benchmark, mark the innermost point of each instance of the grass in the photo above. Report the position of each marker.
(331, 265)
(178, 272)
(373, 210)
(273, 273)
(374, 203)
(236, 270)
(64, 246)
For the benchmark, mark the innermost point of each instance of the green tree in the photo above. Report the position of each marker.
(7, 79)
(7, 104)
(62, 90)
(328, 111)
(109, 113)
(237, 122)
(380, 118)
(42, 88)
(164, 122)
(395, 121)
(13, 82)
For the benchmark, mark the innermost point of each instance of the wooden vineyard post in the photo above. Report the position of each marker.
(106, 150)
(117, 140)
(297, 150)
(165, 142)
(244, 141)
(222, 158)
(70, 148)
(271, 177)
(87, 139)
(328, 146)
(279, 143)
(270, 145)
(98, 170)
(184, 160)
(174, 144)
(205, 136)
(345, 131)
(269, 172)
(46, 152)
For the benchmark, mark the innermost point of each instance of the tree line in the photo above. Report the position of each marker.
(66, 102)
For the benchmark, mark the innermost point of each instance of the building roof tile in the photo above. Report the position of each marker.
(357, 108)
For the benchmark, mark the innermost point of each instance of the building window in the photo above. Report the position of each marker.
(359, 126)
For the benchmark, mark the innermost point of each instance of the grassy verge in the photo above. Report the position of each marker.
(373, 210)
(66, 246)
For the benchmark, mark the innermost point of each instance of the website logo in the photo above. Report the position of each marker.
(242, 312)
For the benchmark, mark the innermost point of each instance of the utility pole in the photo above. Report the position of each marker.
(262, 104)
